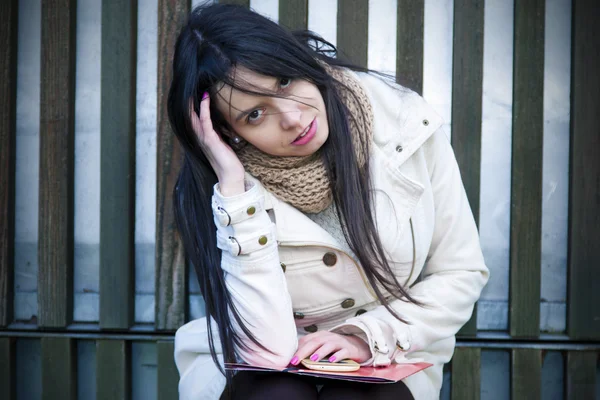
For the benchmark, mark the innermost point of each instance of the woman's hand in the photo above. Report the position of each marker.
(221, 157)
(319, 345)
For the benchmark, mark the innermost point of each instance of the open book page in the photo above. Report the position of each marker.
(389, 374)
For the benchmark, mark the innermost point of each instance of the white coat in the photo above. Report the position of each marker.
(421, 209)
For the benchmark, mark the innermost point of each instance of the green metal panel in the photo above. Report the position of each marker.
(467, 89)
(113, 372)
(170, 266)
(8, 111)
(7, 369)
(527, 155)
(117, 163)
(466, 373)
(293, 14)
(581, 374)
(584, 212)
(57, 104)
(238, 2)
(168, 377)
(409, 44)
(59, 368)
(526, 374)
(353, 30)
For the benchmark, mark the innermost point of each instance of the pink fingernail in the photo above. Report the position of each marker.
(205, 95)
(332, 359)
(294, 360)
(314, 357)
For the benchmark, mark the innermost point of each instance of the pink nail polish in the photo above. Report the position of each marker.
(332, 359)
(205, 95)
(294, 360)
(314, 357)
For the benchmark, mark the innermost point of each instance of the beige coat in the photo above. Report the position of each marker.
(421, 210)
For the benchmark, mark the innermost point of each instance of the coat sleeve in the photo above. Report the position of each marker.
(453, 276)
(253, 275)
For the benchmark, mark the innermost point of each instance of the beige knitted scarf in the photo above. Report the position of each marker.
(303, 181)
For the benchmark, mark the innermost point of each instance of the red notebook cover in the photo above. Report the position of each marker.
(390, 374)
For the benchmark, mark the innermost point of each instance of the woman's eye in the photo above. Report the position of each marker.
(255, 115)
(285, 82)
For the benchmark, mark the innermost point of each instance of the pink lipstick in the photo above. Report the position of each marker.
(307, 135)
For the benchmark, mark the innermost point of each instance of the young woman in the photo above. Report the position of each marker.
(323, 211)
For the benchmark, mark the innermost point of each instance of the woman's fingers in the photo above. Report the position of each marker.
(324, 351)
(339, 355)
(205, 121)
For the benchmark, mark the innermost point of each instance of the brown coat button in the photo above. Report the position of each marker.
(262, 240)
(311, 328)
(251, 210)
(360, 312)
(282, 266)
(298, 315)
(348, 303)
(329, 259)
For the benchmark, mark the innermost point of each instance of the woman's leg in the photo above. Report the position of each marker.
(338, 390)
(249, 385)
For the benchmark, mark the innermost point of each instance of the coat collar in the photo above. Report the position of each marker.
(403, 121)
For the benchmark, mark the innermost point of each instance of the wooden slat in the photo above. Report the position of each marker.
(8, 365)
(466, 373)
(353, 30)
(581, 374)
(584, 212)
(238, 2)
(113, 376)
(59, 368)
(467, 90)
(117, 163)
(293, 14)
(526, 374)
(170, 266)
(8, 94)
(526, 187)
(55, 246)
(409, 44)
(168, 377)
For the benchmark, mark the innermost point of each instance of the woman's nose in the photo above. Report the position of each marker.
(291, 118)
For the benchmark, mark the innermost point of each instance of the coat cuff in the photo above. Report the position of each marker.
(243, 225)
(369, 329)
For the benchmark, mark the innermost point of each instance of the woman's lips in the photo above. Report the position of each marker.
(312, 129)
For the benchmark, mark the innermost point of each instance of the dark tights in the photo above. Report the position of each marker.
(260, 385)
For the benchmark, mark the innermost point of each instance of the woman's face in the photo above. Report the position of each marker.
(295, 125)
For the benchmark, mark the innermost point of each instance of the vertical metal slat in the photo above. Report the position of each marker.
(527, 155)
(8, 369)
(113, 372)
(57, 93)
(168, 377)
(353, 30)
(8, 92)
(466, 373)
(584, 209)
(59, 368)
(526, 374)
(293, 14)
(170, 266)
(409, 44)
(581, 374)
(467, 90)
(117, 163)
(238, 2)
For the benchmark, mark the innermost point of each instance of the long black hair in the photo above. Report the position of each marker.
(216, 39)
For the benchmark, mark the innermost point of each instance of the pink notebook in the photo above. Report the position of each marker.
(390, 374)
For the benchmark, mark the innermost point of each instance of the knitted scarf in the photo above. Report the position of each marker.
(303, 181)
